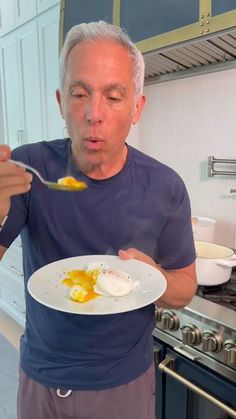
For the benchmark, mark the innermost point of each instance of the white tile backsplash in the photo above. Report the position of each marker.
(185, 121)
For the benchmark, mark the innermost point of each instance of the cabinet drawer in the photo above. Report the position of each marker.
(12, 298)
(12, 260)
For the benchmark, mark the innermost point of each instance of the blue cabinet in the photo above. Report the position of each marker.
(157, 24)
(78, 11)
(222, 6)
(154, 24)
(183, 394)
(152, 18)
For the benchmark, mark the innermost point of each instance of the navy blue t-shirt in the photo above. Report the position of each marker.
(145, 206)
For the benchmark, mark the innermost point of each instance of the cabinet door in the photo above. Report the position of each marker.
(143, 20)
(48, 26)
(7, 16)
(219, 6)
(28, 51)
(43, 5)
(2, 129)
(10, 83)
(12, 298)
(79, 11)
(24, 10)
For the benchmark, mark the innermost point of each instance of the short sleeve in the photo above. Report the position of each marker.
(176, 245)
(15, 221)
(17, 216)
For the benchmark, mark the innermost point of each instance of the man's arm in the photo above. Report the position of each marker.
(181, 283)
(13, 181)
(181, 287)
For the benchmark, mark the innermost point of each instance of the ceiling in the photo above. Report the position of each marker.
(202, 53)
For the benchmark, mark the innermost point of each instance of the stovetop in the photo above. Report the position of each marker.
(224, 294)
(215, 303)
(205, 329)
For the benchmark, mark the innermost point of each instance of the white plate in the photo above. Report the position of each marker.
(45, 286)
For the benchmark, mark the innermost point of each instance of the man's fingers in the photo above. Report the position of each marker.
(127, 254)
(13, 180)
(14, 185)
(10, 169)
(5, 152)
(14, 190)
(133, 253)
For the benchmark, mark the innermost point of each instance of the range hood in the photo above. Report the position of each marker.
(210, 53)
(196, 37)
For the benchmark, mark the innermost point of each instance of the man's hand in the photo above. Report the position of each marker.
(181, 283)
(13, 181)
(133, 253)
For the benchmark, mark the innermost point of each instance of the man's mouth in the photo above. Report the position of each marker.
(93, 143)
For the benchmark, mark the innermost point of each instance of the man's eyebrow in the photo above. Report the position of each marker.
(80, 83)
(106, 88)
(116, 86)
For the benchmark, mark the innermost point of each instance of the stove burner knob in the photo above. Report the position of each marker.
(169, 320)
(211, 342)
(230, 352)
(191, 335)
(158, 313)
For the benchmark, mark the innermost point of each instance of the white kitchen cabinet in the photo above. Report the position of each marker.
(10, 89)
(24, 11)
(30, 89)
(7, 16)
(12, 298)
(21, 93)
(2, 131)
(43, 5)
(48, 27)
(14, 13)
(29, 72)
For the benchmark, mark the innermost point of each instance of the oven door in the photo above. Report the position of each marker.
(186, 390)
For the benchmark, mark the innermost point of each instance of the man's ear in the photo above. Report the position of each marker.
(138, 109)
(59, 101)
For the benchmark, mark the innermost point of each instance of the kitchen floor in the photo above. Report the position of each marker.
(10, 329)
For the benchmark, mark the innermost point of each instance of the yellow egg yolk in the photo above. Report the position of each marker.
(71, 182)
(86, 280)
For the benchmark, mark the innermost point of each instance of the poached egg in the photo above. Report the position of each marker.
(96, 280)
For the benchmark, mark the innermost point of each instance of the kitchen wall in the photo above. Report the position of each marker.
(184, 122)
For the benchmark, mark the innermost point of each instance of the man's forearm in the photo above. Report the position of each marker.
(181, 287)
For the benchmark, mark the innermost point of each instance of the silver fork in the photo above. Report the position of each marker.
(79, 186)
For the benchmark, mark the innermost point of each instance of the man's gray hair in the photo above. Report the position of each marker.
(103, 31)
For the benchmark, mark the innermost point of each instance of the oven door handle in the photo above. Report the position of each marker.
(169, 362)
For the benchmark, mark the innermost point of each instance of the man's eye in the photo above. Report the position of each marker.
(113, 99)
(79, 95)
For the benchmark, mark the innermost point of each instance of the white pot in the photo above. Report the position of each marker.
(213, 263)
(203, 228)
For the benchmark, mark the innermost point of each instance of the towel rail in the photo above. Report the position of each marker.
(211, 169)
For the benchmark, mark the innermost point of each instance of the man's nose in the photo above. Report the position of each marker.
(94, 111)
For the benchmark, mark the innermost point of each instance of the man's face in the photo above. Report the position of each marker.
(98, 102)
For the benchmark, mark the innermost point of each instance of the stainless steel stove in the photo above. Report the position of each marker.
(203, 333)
(224, 294)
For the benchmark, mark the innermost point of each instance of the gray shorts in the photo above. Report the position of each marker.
(134, 400)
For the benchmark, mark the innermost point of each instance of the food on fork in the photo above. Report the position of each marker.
(71, 182)
(96, 280)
